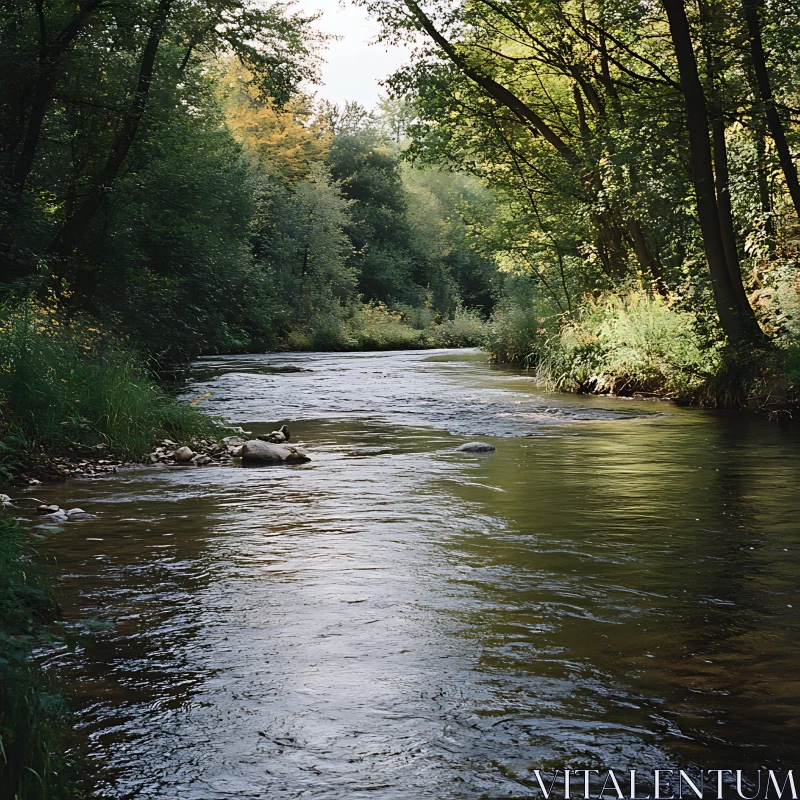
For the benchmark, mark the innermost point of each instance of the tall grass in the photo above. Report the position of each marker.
(62, 383)
(33, 715)
(518, 330)
(627, 343)
(620, 343)
(635, 342)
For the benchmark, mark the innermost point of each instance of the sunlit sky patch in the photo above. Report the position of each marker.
(354, 67)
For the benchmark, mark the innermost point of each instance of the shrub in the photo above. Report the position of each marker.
(466, 329)
(761, 380)
(626, 343)
(517, 331)
(376, 327)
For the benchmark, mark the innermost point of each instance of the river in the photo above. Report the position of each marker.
(616, 586)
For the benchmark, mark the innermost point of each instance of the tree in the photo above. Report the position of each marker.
(737, 317)
(87, 71)
(753, 11)
(573, 109)
(368, 172)
(225, 22)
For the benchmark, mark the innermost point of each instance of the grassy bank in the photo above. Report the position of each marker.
(67, 388)
(638, 343)
(33, 715)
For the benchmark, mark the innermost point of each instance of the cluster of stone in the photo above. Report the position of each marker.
(199, 453)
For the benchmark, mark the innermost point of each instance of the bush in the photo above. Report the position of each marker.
(466, 329)
(33, 715)
(626, 343)
(618, 343)
(767, 381)
(373, 326)
(517, 331)
(62, 383)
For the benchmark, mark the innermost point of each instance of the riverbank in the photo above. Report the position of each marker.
(639, 344)
(368, 327)
(72, 402)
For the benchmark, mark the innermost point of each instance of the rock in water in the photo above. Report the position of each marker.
(79, 513)
(256, 453)
(56, 516)
(476, 447)
(280, 436)
(183, 455)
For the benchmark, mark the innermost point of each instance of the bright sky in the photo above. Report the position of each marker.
(354, 67)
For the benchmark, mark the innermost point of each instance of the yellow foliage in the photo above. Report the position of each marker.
(286, 141)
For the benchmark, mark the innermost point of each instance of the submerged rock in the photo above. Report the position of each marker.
(56, 516)
(256, 453)
(476, 447)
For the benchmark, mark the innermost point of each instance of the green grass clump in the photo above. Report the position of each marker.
(618, 343)
(517, 331)
(465, 329)
(629, 343)
(765, 380)
(376, 327)
(62, 383)
(33, 715)
(635, 342)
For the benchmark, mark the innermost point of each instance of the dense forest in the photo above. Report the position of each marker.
(643, 154)
(170, 180)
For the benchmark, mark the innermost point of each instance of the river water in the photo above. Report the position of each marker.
(615, 587)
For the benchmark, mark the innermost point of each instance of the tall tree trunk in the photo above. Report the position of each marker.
(75, 225)
(720, 154)
(50, 53)
(723, 192)
(751, 14)
(738, 322)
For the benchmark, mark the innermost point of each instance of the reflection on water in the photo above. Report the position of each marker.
(616, 586)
